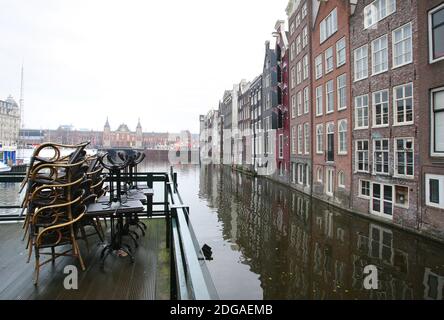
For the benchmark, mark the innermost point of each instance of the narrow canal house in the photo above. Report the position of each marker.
(300, 20)
(430, 49)
(226, 113)
(387, 110)
(282, 110)
(244, 124)
(331, 101)
(269, 94)
(256, 121)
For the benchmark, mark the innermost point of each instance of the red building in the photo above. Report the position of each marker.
(282, 110)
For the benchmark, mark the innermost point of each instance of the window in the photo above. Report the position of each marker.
(433, 284)
(340, 53)
(330, 142)
(293, 140)
(402, 196)
(380, 245)
(437, 125)
(299, 72)
(305, 60)
(364, 188)
(281, 146)
(304, 10)
(341, 179)
(435, 190)
(328, 60)
(362, 163)
(361, 63)
(319, 175)
(404, 163)
(307, 138)
(319, 99)
(329, 26)
(306, 100)
(300, 139)
(298, 44)
(305, 37)
(293, 78)
(301, 174)
(436, 34)
(329, 93)
(361, 112)
(380, 109)
(342, 137)
(379, 55)
(378, 10)
(402, 45)
(403, 104)
(319, 138)
(299, 101)
(292, 51)
(341, 83)
(292, 28)
(318, 63)
(298, 19)
(329, 179)
(293, 172)
(293, 106)
(381, 156)
(382, 200)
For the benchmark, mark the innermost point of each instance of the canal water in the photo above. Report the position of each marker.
(270, 242)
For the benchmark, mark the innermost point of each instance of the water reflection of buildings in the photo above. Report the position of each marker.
(308, 250)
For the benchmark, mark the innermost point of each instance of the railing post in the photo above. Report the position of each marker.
(173, 275)
(167, 211)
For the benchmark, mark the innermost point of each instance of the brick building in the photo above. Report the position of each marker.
(244, 124)
(300, 21)
(256, 121)
(331, 102)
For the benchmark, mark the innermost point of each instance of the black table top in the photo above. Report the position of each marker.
(104, 209)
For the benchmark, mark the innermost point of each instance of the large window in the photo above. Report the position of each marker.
(319, 138)
(378, 10)
(299, 103)
(402, 45)
(435, 190)
(328, 60)
(361, 63)
(382, 200)
(342, 91)
(341, 52)
(330, 142)
(293, 140)
(381, 156)
(342, 137)
(437, 126)
(403, 104)
(379, 55)
(319, 99)
(305, 37)
(361, 112)
(404, 163)
(381, 108)
(306, 100)
(318, 66)
(329, 96)
(436, 33)
(300, 141)
(307, 138)
(305, 66)
(362, 162)
(329, 26)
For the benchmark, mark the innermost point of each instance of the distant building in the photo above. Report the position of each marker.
(9, 122)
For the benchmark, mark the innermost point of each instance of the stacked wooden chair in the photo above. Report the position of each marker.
(57, 192)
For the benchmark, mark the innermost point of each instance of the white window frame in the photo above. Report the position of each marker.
(329, 97)
(380, 93)
(298, 44)
(299, 103)
(293, 77)
(382, 52)
(305, 37)
(329, 183)
(395, 108)
(300, 141)
(319, 101)
(433, 151)
(395, 148)
(382, 173)
(306, 138)
(341, 176)
(360, 194)
(341, 91)
(360, 60)
(431, 48)
(293, 106)
(362, 106)
(440, 178)
(374, 11)
(299, 72)
(404, 62)
(329, 60)
(306, 100)
(292, 51)
(305, 67)
(293, 140)
(319, 66)
(328, 26)
(364, 152)
(345, 133)
(340, 49)
(320, 138)
(382, 200)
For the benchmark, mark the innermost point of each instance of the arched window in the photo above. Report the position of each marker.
(330, 142)
(319, 138)
(342, 136)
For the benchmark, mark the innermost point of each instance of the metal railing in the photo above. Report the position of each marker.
(189, 275)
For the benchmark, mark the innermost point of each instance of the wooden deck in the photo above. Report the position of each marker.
(146, 279)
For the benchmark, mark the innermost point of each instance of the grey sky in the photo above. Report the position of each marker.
(163, 61)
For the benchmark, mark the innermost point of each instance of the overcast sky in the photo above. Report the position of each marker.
(163, 61)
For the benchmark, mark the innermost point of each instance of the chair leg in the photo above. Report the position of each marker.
(75, 248)
(53, 255)
(29, 247)
(84, 237)
(37, 267)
